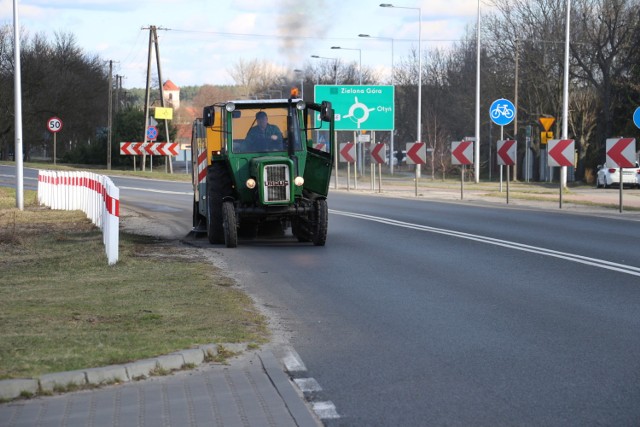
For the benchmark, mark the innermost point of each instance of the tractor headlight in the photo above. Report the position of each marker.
(298, 181)
(251, 183)
(301, 105)
(230, 106)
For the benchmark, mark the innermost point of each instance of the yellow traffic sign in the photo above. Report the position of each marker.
(546, 122)
(164, 113)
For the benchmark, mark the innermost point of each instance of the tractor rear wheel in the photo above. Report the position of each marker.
(218, 187)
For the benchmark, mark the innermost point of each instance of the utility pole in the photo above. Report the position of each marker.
(161, 84)
(118, 92)
(153, 41)
(146, 98)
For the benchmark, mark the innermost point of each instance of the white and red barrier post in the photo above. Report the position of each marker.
(94, 194)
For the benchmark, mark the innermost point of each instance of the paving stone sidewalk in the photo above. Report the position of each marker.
(252, 390)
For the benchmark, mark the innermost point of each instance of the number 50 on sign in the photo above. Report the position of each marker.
(54, 124)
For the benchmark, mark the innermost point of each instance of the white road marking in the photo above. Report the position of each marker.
(293, 362)
(593, 262)
(308, 385)
(13, 176)
(325, 410)
(150, 190)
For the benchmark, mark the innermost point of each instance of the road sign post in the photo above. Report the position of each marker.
(359, 107)
(507, 150)
(502, 112)
(462, 154)
(561, 153)
(621, 153)
(348, 155)
(378, 156)
(416, 155)
(54, 124)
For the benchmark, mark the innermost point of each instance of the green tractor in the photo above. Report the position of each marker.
(256, 167)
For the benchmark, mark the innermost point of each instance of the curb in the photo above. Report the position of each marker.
(294, 402)
(95, 377)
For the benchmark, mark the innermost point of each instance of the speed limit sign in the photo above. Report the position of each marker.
(54, 124)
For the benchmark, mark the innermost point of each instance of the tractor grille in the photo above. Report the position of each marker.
(276, 183)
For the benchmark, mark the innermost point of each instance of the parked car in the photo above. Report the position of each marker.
(611, 176)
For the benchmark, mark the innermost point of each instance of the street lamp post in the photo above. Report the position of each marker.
(359, 155)
(360, 58)
(419, 131)
(335, 66)
(335, 149)
(476, 158)
(565, 101)
(383, 38)
(301, 73)
(391, 144)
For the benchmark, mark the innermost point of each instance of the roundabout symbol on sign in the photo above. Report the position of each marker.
(502, 112)
(361, 106)
(54, 124)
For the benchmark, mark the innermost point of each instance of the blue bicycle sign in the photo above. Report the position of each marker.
(502, 112)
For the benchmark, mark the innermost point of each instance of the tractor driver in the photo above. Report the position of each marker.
(264, 136)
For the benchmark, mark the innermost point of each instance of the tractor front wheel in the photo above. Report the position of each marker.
(319, 222)
(229, 224)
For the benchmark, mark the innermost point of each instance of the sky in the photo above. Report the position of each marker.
(201, 40)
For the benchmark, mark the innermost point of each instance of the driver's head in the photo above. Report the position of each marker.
(261, 118)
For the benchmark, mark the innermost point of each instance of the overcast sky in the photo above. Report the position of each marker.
(204, 38)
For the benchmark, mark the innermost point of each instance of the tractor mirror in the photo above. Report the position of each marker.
(208, 115)
(326, 112)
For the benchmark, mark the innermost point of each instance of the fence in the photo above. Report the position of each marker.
(93, 194)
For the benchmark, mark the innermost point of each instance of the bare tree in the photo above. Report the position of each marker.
(583, 119)
(608, 31)
(256, 77)
(209, 94)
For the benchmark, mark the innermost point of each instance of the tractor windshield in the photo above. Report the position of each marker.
(260, 130)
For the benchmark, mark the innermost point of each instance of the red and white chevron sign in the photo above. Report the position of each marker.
(507, 152)
(379, 153)
(416, 153)
(130, 148)
(348, 152)
(151, 148)
(461, 152)
(561, 152)
(621, 152)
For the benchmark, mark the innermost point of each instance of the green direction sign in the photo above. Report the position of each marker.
(359, 107)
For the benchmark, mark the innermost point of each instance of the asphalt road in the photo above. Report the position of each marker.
(422, 312)
(428, 313)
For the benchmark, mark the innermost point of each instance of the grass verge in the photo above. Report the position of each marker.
(63, 308)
